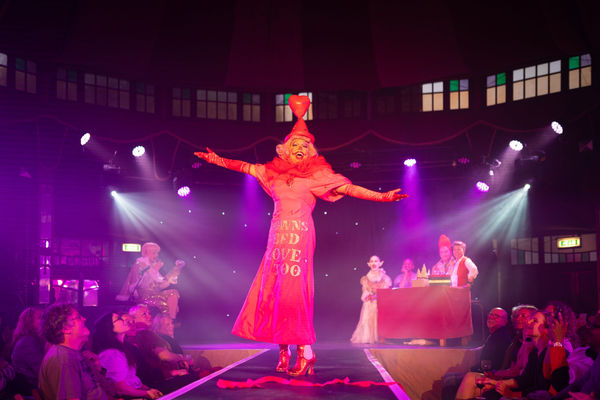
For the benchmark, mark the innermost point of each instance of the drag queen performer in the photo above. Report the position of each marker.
(279, 305)
(145, 284)
(444, 267)
(376, 278)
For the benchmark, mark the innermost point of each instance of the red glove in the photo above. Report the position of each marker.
(366, 194)
(213, 158)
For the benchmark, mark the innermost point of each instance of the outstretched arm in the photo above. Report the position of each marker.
(361, 193)
(235, 165)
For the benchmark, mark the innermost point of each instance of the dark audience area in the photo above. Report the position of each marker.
(54, 352)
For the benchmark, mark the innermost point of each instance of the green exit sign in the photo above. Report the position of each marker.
(132, 247)
(566, 243)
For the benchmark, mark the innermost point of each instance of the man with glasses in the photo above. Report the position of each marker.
(65, 373)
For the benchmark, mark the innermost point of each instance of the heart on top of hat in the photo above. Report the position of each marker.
(299, 104)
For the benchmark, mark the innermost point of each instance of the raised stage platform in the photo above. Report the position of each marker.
(418, 370)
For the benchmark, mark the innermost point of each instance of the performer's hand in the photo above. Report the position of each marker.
(210, 156)
(393, 195)
(179, 264)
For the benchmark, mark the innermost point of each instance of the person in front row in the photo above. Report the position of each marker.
(408, 274)
(465, 270)
(64, 373)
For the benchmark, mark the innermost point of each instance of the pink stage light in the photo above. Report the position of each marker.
(355, 164)
(463, 160)
(409, 162)
(184, 191)
(482, 186)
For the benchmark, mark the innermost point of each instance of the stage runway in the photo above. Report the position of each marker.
(418, 370)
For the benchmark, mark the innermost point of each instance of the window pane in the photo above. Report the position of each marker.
(490, 96)
(491, 81)
(518, 75)
(529, 72)
(554, 83)
(555, 66)
(573, 62)
(586, 60)
(542, 69)
(427, 88)
(586, 76)
(501, 78)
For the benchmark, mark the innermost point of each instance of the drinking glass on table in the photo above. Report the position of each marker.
(480, 383)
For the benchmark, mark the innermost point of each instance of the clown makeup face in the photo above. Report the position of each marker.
(374, 262)
(445, 253)
(298, 150)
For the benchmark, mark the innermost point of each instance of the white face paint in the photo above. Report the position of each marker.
(374, 262)
(298, 150)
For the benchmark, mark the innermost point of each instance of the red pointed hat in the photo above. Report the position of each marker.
(299, 106)
(444, 241)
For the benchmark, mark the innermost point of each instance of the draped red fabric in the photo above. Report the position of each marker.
(259, 383)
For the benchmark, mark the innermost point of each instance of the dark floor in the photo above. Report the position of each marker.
(332, 362)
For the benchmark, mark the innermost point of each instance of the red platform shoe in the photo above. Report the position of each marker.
(284, 358)
(303, 366)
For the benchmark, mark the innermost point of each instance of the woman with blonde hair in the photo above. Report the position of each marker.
(279, 305)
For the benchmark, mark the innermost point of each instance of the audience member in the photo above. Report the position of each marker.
(65, 373)
(492, 356)
(408, 274)
(163, 326)
(520, 316)
(539, 374)
(555, 308)
(27, 350)
(158, 366)
(116, 358)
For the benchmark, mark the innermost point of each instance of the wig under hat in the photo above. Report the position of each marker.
(299, 106)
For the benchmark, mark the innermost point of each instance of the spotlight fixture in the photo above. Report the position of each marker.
(184, 191)
(463, 160)
(114, 193)
(491, 172)
(516, 145)
(138, 151)
(482, 186)
(410, 162)
(355, 164)
(85, 138)
(526, 187)
(557, 127)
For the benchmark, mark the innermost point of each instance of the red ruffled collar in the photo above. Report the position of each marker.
(279, 166)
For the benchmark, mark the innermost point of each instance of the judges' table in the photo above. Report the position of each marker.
(434, 312)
